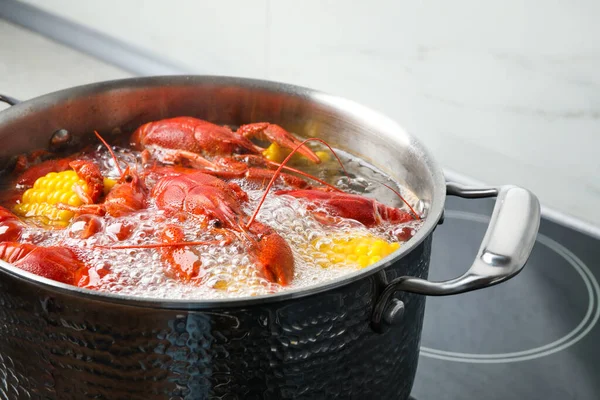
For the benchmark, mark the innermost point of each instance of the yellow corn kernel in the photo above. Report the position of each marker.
(374, 259)
(376, 247)
(221, 285)
(278, 154)
(64, 215)
(68, 184)
(275, 153)
(338, 258)
(323, 156)
(64, 197)
(56, 187)
(53, 197)
(27, 195)
(348, 249)
(74, 200)
(361, 249)
(363, 260)
(109, 184)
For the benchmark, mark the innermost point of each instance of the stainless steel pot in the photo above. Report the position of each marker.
(357, 337)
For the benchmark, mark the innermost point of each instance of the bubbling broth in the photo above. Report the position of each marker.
(220, 253)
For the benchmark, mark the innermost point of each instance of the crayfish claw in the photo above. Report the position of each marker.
(275, 258)
(182, 262)
(90, 173)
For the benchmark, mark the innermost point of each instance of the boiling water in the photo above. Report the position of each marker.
(227, 269)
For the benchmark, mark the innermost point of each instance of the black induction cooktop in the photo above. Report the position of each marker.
(533, 337)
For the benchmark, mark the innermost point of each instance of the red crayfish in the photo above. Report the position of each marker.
(57, 263)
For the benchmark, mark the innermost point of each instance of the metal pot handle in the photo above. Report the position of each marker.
(504, 250)
(8, 100)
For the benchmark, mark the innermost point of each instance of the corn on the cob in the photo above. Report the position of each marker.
(323, 155)
(360, 251)
(277, 154)
(55, 187)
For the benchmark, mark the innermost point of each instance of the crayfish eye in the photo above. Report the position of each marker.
(128, 178)
(216, 223)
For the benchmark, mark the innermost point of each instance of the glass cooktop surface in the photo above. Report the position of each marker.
(535, 336)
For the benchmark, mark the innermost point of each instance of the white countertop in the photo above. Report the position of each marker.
(31, 65)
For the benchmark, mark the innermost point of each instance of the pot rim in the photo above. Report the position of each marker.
(434, 211)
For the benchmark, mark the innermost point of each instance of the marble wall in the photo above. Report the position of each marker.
(503, 92)
(32, 65)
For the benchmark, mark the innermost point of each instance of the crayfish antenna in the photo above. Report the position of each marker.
(282, 165)
(243, 233)
(415, 215)
(112, 153)
(305, 174)
(158, 245)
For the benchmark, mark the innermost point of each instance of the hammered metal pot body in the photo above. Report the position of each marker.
(60, 342)
(54, 346)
